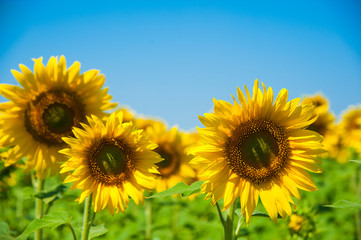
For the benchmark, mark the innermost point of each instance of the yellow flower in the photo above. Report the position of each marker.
(139, 121)
(128, 114)
(351, 126)
(345, 136)
(111, 161)
(325, 119)
(258, 149)
(319, 102)
(44, 109)
(335, 144)
(296, 222)
(8, 176)
(175, 167)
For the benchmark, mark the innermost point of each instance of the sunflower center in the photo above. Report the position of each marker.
(111, 161)
(257, 150)
(171, 163)
(317, 104)
(58, 118)
(52, 115)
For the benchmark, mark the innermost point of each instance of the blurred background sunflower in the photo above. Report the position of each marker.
(172, 145)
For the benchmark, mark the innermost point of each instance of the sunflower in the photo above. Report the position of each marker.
(350, 130)
(8, 176)
(128, 114)
(258, 149)
(335, 144)
(142, 122)
(319, 102)
(296, 222)
(112, 161)
(44, 109)
(172, 146)
(139, 121)
(351, 124)
(325, 119)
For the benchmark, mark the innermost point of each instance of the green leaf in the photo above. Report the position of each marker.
(356, 161)
(59, 189)
(238, 211)
(51, 220)
(261, 214)
(243, 232)
(5, 231)
(4, 149)
(345, 204)
(180, 188)
(97, 231)
(194, 188)
(28, 192)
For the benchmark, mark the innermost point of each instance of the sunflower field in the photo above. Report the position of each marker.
(263, 166)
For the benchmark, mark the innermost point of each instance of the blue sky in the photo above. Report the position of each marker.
(168, 59)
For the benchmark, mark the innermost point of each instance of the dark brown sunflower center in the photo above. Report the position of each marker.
(52, 115)
(58, 118)
(317, 103)
(111, 161)
(257, 150)
(171, 163)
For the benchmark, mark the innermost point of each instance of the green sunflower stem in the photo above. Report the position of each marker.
(148, 218)
(39, 205)
(87, 221)
(220, 215)
(239, 225)
(228, 227)
(72, 231)
(175, 219)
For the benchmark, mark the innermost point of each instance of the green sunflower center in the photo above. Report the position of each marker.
(171, 163)
(257, 150)
(52, 115)
(111, 161)
(58, 118)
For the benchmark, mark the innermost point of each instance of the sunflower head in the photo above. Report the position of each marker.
(258, 148)
(128, 114)
(110, 160)
(351, 123)
(320, 103)
(8, 176)
(301, 226)
(325, 120)
(296, 222)
(51, 100)
(346, 135)
(144, 123)
(335, 144)
(172, 144)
